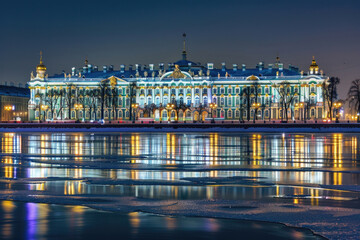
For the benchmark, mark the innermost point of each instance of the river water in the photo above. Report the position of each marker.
(314, 170)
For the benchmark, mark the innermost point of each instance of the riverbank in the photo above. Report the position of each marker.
(181, 127)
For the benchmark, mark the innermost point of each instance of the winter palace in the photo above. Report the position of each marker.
(182, 91)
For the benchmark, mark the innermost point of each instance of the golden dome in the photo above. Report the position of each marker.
(41, 66)
(314, 67)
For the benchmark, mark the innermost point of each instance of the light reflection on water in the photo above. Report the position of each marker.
(43, 221)
(324, 159)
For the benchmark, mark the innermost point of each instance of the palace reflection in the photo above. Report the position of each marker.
(284, 159)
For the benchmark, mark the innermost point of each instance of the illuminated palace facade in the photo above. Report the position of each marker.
(145, 92)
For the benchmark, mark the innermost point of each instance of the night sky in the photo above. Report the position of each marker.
(129, 32)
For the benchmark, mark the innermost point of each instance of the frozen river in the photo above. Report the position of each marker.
(304, 180)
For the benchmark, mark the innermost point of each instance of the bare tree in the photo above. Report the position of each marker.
(69, 97)
(329, 90)
(256, 92)
(103, 93)
(286, 97)
(245, 102)
(51, 99)
(92, 96)
(354, 97)
(114, 101)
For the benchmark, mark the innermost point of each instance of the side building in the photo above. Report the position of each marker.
(182, 91)
(14, 103)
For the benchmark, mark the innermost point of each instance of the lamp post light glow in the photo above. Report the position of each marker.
(134, 107)
(255, 105)
(8, 108)
(213, 107)
(169, 108)
(44, 108)
(337, 106)
(77, 108)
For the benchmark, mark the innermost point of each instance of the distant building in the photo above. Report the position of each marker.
(264, 92)
(14, 103)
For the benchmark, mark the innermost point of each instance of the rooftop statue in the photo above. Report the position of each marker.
(177, 73)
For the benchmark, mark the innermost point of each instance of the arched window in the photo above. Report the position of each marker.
(188, 114)
(164, 114)
(166, 101)
(188, 101)
(197, 101)
(229, 114)
(157, 101)
(181, 100)
(205, 101)
(237, 113)
(312, 112)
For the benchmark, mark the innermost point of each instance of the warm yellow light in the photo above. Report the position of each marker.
(44, 107)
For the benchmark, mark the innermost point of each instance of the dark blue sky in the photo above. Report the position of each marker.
(129, 32)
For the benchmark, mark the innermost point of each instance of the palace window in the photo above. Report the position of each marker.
(157, 91)
(266, 90)
(188, 91)
(296, 89)
(142, 91)
(204, 91)
(197, 101)
(237, 101)
(149, 91)
(120, 102)
(181, 91)
(266, 113)
(205, 101)
(215, 90)
(312, 89)
(149, 101)
(165, 101)
(181, 100)
(197, 90)
(166, 91)
(214, 100)
(229, 90)
(312, 100)
(222, 90)
(229, 101)
(128, 91)
(173, 91)
(237, 114)
(237, 90)
(222, 101)
(229, 115)
(188, 101)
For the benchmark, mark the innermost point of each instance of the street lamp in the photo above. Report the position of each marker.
(338, 105)
(77, 108)
(255, 105)
(8, 108)
(213, 107)
(169, 108)
(134, 106)
(44, 108)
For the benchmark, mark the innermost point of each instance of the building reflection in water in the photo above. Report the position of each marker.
(175, 156)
